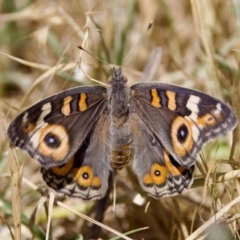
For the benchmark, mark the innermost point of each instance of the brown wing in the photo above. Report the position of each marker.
(52, 130)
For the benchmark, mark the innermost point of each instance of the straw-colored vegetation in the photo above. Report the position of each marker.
(200, 43)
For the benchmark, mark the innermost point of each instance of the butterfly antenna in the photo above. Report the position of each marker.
(81, 48)
(148, 28)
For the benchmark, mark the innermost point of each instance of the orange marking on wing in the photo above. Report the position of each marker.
(66, 107)
(156, 101)
(147, 179)
(171, 168)
(171, 100)
(29, 127)
(82, 102)
(64, 170)
(181, 169)
(206, 120)
(96, 182)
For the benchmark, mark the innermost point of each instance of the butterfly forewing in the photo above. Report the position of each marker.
(52, 130)
(181, 119)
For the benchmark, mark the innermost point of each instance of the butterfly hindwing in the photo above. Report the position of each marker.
(157, 171)
(183, 120)
(52, 130)
(87, 174)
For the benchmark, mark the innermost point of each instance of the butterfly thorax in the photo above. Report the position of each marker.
(118, 95)
(120, 130)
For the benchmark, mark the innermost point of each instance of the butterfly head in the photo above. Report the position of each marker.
(117, 79)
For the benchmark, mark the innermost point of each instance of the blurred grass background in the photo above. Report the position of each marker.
(200, 42)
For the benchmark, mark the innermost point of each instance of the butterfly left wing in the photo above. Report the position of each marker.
(182, 119)
(52, 130)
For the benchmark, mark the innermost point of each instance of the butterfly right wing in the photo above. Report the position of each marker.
(175, 123)
(52, 130)
(87, 174)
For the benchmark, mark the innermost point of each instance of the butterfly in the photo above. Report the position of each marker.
(81, 135)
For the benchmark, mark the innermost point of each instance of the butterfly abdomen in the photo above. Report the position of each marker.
(120, 136)
(122, 156)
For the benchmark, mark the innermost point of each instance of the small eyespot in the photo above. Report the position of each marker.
(182, 133)
(52, 140)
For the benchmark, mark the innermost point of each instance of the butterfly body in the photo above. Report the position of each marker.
(119, 129)
(80, 135)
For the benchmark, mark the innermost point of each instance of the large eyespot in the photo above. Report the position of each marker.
(181, 136)
(53, 141)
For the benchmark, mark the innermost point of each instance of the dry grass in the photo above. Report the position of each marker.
(200, 43)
